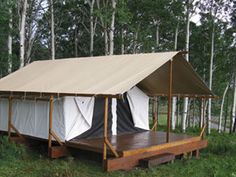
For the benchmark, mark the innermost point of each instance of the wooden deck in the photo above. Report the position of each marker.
(133, 147)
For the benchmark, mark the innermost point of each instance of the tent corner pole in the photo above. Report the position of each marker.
(169, 100)
(105, 131)
(9, 116)
(50, 125)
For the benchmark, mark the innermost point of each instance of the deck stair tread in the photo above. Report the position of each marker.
(156, 160)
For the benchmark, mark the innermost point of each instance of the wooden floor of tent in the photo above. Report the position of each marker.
(135, 146)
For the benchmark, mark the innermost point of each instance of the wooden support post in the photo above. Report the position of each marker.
(105, 130)
(196, 154)
(155, 114)
(9, 116)
(50, 125)
(169, 101)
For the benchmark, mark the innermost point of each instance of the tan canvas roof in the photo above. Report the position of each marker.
(106, 75)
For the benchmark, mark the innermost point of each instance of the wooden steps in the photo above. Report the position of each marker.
(156, 160)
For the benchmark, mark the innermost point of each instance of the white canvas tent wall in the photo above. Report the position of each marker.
(108, 76)
(72, 115)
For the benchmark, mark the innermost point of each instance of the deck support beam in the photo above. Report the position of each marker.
(169, 101)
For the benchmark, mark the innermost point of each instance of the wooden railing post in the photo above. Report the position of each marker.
(105, 130)
(9, 115)
(169, 101)
(50, 124)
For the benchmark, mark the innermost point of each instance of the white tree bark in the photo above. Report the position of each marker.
(185, 108)
(106, 42)
(234, 105)
(92, 26)
(135, 42)
(52, 31)
(173, 113)
(22, 33)
(76, 41)
(202, 113)
(176, 36)
(112, 27)
(222, 108)
(157, 37)
(122, 42)
(105, 31)
(174, 99)
(10, 42)
(210, 79)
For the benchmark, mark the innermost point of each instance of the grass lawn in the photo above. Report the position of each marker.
(219, 159)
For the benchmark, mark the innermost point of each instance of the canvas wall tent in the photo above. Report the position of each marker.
(78, 116)
(79, 91)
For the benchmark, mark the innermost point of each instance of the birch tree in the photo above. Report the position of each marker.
(222, 108)
(10, 40)
(93, 23)
(210, 78)
(103, 19)
(52, 31)
(22, 22)
(174, 99)
(112, 27)
(234, 104)
(185, 108)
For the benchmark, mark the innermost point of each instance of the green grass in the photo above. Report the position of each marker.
(218, 159)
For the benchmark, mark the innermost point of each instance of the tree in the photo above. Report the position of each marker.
(22, 6)
(185, 108)
(52, 31)
(112, 27)
(222, 108)
(93, 24)
(10, 39)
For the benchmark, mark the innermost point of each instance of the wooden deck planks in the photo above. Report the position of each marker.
(129, 143)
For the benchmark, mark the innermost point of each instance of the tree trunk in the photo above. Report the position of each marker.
(157, 37)
(22, 33)
(76, 41)
(185, 108)
(222, 108)
(10, 42)
(173, 113)
(226, 111)
(112, 27)
(106, 42)
(174, 99)
(178, 104)
(201, 113)
(92, 31)
(135, 42)
(234, 104)
(176, 36)
(210, 79)
(122, 42)
(52, 31)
